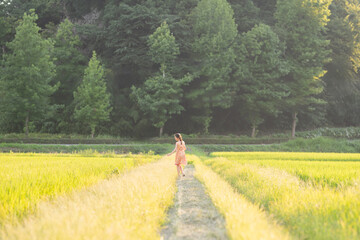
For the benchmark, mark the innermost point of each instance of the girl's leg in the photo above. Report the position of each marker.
(182, 171)
(178, 170)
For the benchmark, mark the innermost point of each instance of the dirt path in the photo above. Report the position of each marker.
(193, 215)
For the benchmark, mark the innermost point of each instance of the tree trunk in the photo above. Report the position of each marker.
(294, 118)
(65, 11)
(208, 118)
(161, 131)
(27, 124)
(253, 132)
(92, 131)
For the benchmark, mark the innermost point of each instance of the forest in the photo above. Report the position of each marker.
(140, 68)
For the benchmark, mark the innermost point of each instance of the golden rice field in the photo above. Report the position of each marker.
(312, 195)
(131, 206)
(26, 179)
(261, 195)
(326, 169)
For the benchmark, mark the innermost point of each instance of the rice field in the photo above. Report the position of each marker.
(261, 195)
(324, 169)
(28, 178)
(131, 206)
(313, 195)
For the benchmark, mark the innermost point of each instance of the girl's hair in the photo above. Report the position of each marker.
(178, 135)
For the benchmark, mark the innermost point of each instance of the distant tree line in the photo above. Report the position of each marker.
(145, 67)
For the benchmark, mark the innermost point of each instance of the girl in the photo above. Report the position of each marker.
(180, 158)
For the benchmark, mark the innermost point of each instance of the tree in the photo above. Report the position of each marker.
(301, 24)
(69, 62)
(28, 72)
(353, 20)
(70, 65)
(47, 10)
(261, 70)
(246, 14)
(160, 96)
(214, 32)
(92, 102)
(79, 8)
(126, 33)
(6, 29)
(342, 80)
(163, 48)
(267, 10)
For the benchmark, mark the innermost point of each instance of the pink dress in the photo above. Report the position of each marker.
(180, 154)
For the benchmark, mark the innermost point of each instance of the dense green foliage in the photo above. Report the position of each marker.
(342, 85)
(216, 66)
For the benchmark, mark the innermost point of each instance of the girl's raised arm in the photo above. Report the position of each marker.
(173, 150)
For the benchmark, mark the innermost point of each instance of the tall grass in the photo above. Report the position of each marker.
(25, 179)
(308, 212)
(243, 219)
(130, 207)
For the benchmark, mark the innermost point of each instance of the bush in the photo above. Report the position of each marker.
(349, 133)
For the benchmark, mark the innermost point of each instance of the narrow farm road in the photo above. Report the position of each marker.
(193, 215)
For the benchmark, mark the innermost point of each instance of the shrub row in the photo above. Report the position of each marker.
(349, 133)
(134, 148)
